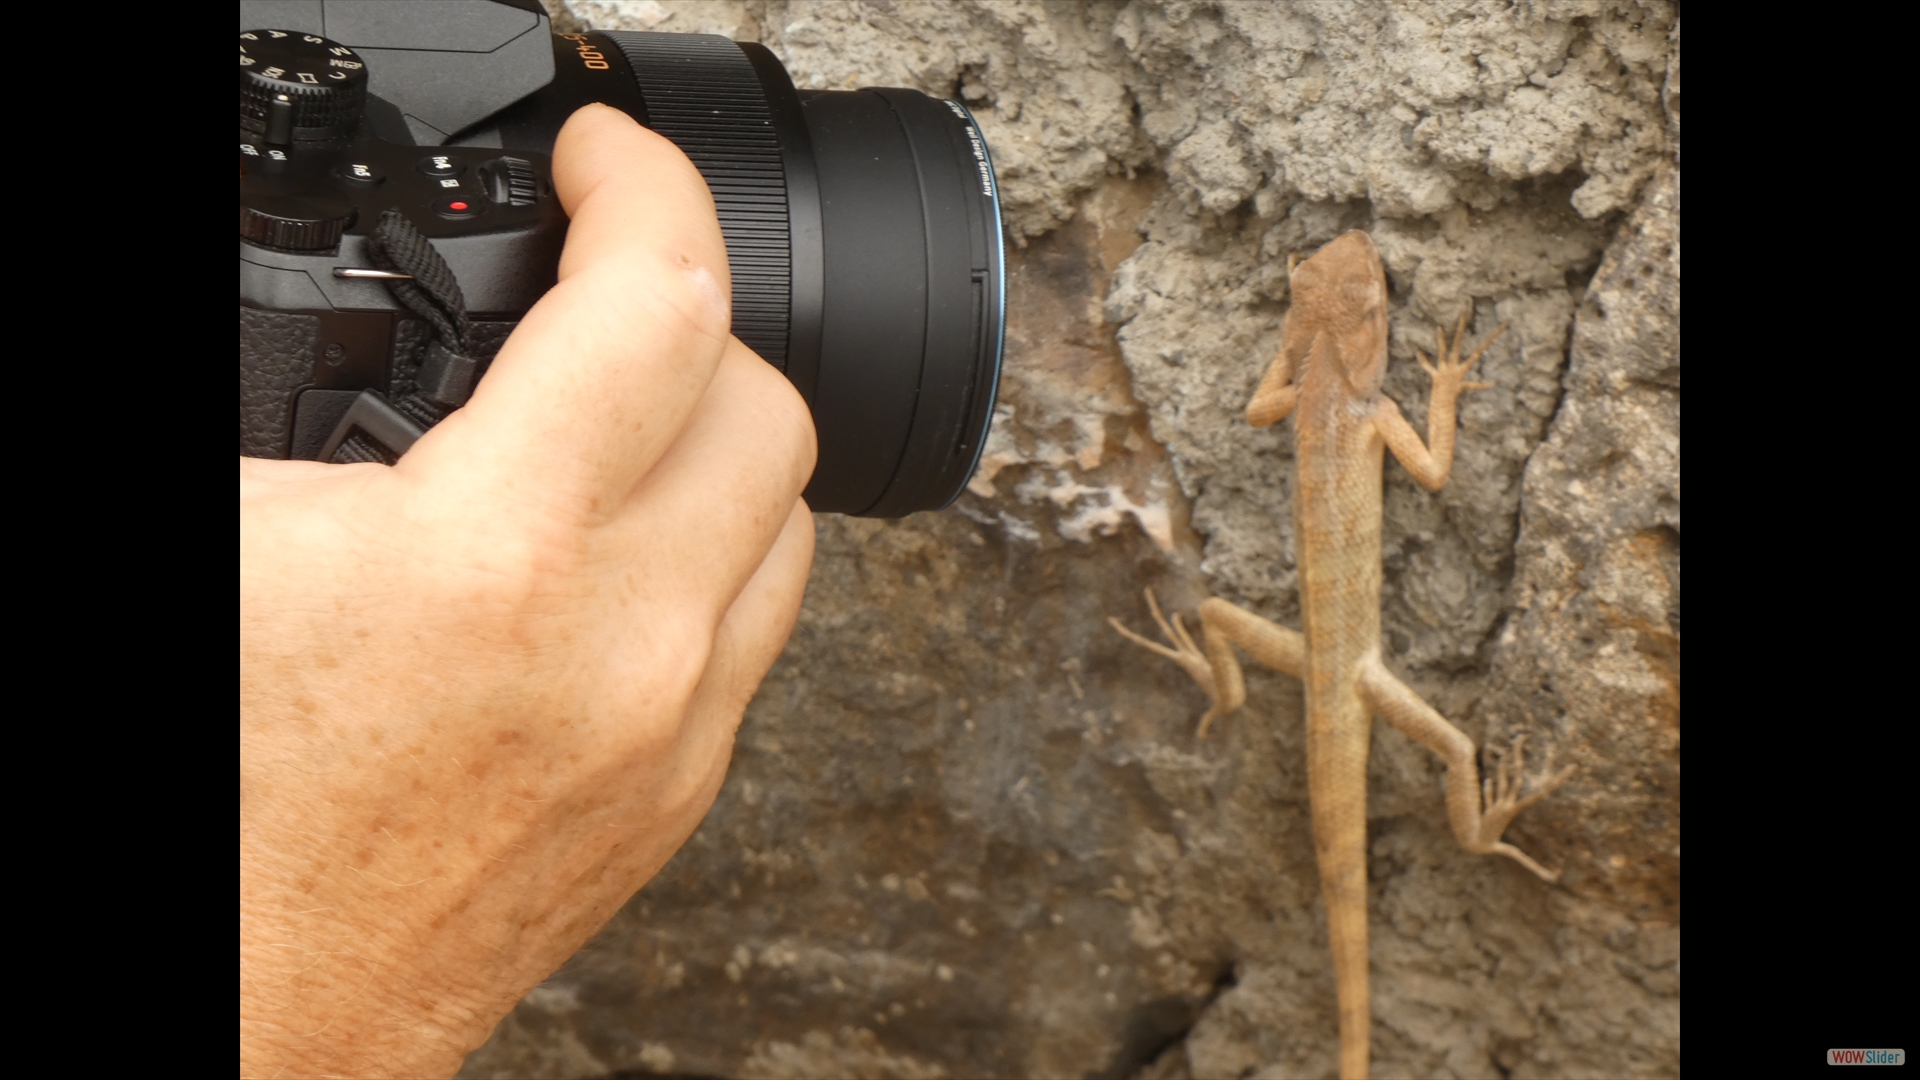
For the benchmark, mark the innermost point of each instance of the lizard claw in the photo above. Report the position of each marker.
(1184, 652)
(1447, 366)
(1502, 801)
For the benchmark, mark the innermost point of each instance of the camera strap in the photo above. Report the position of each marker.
(378, 429)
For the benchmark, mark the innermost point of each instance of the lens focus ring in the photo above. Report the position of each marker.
(701, 92)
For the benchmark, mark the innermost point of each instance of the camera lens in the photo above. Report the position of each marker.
(863, 232)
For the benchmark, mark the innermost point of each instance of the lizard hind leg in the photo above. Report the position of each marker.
(1216, 668)
(1479, 812)
(1500, 794)
(1188, 655)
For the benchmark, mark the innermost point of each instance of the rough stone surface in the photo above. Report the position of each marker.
(968, 831)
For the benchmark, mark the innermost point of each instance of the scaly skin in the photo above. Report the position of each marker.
(1335, 342)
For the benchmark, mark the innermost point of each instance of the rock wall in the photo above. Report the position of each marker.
(968, 830)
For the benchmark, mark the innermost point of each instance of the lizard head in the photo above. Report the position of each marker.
(1343, 291)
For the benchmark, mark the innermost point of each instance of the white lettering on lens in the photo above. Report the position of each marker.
(980, 160)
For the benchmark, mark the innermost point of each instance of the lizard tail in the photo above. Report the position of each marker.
(1347, 929)
(1337, 738)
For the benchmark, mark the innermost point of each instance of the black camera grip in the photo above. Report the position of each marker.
(277, 354)
(281, 353)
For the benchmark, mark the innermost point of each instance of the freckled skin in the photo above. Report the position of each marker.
(1327, 376)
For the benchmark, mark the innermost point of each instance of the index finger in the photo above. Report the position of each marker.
(600, 376)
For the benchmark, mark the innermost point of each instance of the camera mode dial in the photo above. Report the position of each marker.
(298, 87)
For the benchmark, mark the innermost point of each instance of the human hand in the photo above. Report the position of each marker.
(486, 693)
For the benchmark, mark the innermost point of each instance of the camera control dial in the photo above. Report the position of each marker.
(292, 222)
(299, 87)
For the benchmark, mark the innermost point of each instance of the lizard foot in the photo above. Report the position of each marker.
(1501, 795)
(1184, 652)
(1447, 366)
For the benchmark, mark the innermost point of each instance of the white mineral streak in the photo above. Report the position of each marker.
(1084, 510)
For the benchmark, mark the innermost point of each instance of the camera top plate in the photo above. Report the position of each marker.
(313, 162)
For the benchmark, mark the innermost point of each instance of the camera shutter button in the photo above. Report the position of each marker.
(457, 207)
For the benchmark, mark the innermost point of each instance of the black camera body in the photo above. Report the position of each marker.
(397, 219)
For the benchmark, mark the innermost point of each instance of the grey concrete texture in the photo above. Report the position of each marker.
(968, 830)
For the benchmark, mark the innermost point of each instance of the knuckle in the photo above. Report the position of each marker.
(646, 293)
(777, 415)
(795, 435)
(675, 658)
(654, 697)
(522, 579)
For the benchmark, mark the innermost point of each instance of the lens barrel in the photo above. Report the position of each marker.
(863, 233)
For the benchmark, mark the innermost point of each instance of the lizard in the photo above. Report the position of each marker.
(1327, 376)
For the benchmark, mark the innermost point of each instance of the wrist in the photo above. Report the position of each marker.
(320, 998)
(333, 1034)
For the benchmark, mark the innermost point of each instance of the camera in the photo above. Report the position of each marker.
(397, 219)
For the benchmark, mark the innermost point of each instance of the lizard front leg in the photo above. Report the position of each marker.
(1274, 399)
(1476, 825)
(1431, 462)
(1217, 670)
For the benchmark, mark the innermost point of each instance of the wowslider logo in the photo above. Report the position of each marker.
(1866, 1057)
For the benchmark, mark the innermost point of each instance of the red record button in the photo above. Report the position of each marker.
(457, 206)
